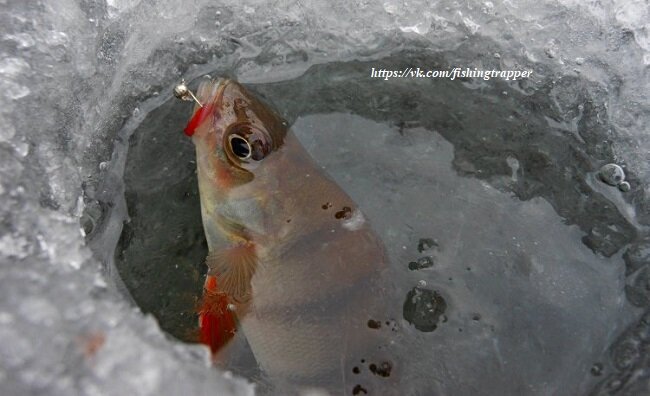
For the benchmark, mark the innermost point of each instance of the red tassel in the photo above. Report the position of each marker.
(201, 114)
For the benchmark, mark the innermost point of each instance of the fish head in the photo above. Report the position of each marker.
(233, 132)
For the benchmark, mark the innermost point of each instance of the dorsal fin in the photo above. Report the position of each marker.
(234, 267)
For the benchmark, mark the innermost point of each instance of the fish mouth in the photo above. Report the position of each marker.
(210, 90)
(209, 97)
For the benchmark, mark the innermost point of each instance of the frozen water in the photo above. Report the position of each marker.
(470, 164)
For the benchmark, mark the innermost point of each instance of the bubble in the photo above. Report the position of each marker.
(383, 369)
(596, 369)
(513, 163)
(426, 244)
(423, 308)
(421, 263)
(374, 324)
(612, 174)
(21, 148)
(624, 186)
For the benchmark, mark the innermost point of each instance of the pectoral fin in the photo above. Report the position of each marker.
(234, 267)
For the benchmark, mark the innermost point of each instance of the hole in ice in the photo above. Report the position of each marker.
(434, 163)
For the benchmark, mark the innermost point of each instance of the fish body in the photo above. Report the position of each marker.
(294, 257)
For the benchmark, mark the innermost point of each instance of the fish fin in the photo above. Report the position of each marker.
(235, 267)
(217, 324)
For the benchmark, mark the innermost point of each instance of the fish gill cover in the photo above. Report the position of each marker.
(78, 78)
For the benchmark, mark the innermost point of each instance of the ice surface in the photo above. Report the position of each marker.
(470, 164)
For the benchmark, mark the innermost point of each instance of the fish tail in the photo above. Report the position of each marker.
(217, 324)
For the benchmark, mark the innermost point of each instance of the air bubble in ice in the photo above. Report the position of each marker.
(611, 174)
(597, 369)
(421, 263)
(513, 163)
(423, 308)
(21, 148)
(624, 186)
(425, 244)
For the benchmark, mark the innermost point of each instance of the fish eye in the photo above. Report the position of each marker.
(246, 145)
(240, 147)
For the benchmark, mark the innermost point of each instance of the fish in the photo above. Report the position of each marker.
(293, 262)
